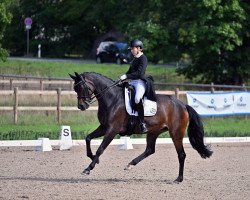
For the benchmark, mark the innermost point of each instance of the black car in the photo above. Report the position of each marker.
(114, 52)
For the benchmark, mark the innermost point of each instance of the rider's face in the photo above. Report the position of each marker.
(135, 50)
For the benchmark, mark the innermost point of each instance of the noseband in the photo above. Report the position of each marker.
(87, 95)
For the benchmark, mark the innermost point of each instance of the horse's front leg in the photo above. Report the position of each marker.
(106, 141)
(95, 134)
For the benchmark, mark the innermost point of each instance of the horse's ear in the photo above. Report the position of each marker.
(77, 75)
(73, 77)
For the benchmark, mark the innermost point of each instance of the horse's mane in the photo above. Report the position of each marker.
(97, 74)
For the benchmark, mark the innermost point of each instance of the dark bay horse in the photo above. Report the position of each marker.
(172, 115)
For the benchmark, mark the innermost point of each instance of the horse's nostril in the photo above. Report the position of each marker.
(82, 107)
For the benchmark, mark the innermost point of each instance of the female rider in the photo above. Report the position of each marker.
(136, 74)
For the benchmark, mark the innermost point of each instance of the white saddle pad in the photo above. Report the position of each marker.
(150, 107)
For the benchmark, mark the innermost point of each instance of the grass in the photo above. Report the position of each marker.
(227, 126)
(32, 125)
(62, 69)
(43, 124)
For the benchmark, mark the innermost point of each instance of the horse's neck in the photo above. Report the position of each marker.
(104, 93)
(102, 85)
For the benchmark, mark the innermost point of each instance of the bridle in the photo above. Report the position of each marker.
(89, 98)
(87, 94)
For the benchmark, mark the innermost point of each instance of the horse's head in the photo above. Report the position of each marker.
(84, 89)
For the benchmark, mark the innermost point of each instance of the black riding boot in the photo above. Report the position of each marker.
(141, 117)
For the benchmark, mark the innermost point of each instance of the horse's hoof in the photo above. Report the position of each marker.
(86, 172)
(128, 167)
(178, 180)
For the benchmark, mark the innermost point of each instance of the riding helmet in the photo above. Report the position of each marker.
(136, 43)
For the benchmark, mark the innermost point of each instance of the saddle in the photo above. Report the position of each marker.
(150, 107)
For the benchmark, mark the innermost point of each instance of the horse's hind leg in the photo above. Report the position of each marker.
(177, 131)
(181, 157)
(150, 149)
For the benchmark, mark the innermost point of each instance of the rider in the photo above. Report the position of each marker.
(136, 73)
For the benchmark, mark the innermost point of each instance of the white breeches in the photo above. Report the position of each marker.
(140, 88)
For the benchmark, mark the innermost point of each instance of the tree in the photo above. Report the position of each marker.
(5, 18)
(213, 33)
(148, 26)
(64, 26)
(216, 36)
(50, 27)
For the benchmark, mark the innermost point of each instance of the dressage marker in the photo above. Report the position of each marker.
(65, 138)
(126, 143)
(43, 144)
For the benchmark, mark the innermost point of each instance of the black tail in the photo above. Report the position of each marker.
(196, 133)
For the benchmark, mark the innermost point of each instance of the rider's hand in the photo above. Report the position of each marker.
(120, 83)
(123, 77)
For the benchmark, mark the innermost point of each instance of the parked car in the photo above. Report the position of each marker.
(114, 52)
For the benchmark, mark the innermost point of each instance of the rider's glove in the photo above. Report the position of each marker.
(123, 77)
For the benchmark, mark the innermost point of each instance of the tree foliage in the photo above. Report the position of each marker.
(216, 34)
(213, 34)
(5, 18)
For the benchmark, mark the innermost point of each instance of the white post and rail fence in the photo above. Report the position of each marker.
(58, 107)
(57, 87)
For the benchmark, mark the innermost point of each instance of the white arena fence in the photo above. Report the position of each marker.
(56, 93)
(58, 108)
(134, 141)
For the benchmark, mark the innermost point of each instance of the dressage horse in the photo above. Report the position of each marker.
(172, 115)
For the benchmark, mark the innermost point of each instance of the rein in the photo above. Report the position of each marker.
(98, 95)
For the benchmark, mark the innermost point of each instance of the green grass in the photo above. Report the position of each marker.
(227, 126)
(62, 69)
(32, 125)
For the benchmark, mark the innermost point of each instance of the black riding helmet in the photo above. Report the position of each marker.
(136, 43)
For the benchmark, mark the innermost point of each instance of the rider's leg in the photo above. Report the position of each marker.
(140, 111)
(140, 88)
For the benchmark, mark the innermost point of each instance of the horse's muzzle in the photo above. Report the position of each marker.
(83, 106)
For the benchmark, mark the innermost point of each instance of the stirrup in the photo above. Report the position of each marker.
(143, 127)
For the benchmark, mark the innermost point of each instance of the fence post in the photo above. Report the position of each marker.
(11, 84)
(26, 84)
(41, 84)
(244, 89)
(177, 95)
(212, 87)
(59, 105)
(71, 85)
(212, 91)
(15, 104)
